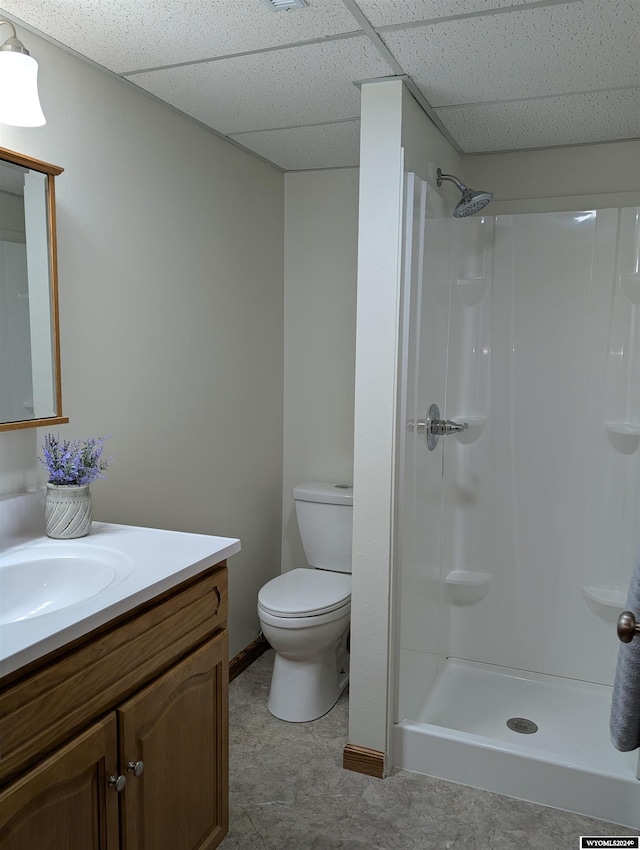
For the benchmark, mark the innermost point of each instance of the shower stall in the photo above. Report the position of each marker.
(517, 500)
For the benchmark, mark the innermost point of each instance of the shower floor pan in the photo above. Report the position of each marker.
(460, 733)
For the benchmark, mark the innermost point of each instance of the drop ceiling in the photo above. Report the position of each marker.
(494, 75)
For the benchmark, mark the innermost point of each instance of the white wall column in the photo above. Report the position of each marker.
(396, 136)
(380, 231)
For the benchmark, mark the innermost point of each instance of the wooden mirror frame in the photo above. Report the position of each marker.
(51, 171)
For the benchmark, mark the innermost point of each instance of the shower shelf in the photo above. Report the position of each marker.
(477, 424)
(624, 436)
(630, 285)
(626, 428)
(467, 587)
(605, 603)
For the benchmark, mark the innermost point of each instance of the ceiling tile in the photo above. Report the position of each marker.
(387, 12)
(527, 53)
(324, 146)
(123, 35)
(301, 85)
(542, 122)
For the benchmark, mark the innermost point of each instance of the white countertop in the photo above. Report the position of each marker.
(149, 561)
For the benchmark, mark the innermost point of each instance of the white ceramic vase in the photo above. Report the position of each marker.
(67, 511)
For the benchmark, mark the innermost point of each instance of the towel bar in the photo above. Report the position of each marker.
(628, 628)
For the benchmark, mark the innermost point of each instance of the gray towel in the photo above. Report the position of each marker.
(625, 704)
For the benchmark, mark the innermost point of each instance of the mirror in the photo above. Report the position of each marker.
(30, 388)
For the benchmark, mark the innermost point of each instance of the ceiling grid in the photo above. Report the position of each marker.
(494, 75)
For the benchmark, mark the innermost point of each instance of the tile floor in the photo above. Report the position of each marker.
(289, 792)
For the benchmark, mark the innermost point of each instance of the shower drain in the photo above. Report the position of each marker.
(522, 725)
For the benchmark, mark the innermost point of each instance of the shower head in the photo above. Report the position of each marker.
(472, 200)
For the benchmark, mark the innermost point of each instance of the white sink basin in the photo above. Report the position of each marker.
(55, 591)
(39, 580)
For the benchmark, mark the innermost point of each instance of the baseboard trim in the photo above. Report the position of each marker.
(247, 656)
(363, 760)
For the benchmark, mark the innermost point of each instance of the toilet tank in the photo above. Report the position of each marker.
(325, 520)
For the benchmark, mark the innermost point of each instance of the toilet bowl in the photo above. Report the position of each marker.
(305, 613)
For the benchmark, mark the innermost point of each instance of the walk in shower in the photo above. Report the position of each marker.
(518, 533)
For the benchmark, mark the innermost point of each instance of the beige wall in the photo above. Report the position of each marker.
(579, 177)
(171, 296)
(321, 246)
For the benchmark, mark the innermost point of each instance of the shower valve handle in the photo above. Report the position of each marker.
(433, 427)
(442, 427)
(439, 427)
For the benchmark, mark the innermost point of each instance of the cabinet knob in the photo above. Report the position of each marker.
(135, 767)
(117, 782)
(628, 628)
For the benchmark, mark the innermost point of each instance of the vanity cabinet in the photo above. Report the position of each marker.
(174, 725)
(150, 687)
(65, 801)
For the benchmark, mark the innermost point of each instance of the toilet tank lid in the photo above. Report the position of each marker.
(320, 491)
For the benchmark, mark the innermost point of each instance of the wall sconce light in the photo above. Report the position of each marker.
(19, 102)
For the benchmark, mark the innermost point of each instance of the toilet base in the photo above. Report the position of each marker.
(304, 690)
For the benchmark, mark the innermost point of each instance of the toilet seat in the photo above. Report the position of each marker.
(304, 623)
(305, 593)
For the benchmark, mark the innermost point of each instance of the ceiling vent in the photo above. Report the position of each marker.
(285, 5)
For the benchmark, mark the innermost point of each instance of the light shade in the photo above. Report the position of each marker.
(19, 102)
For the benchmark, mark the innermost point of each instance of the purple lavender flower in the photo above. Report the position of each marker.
(74, 461)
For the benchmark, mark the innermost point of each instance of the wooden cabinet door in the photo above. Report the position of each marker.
(178, 726)
(66, 802)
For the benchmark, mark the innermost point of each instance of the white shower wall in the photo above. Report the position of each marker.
(527, 329)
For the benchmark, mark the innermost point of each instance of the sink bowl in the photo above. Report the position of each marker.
(35, 581)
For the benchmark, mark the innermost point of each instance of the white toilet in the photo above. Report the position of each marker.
(305, 613)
